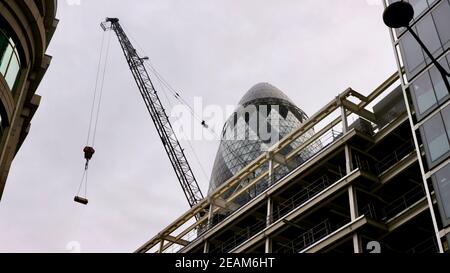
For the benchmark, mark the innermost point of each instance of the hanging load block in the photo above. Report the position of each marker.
(88, 152)
(81, 200)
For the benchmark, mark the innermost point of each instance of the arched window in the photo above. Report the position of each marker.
(9, 60)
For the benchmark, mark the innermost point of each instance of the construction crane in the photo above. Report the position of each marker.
(158, 114)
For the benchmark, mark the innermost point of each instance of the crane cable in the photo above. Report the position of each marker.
(185, 103)
(164, 83)
(182, 100)
(177, 95)
(164, 86)
(94, 116)
(100, 96)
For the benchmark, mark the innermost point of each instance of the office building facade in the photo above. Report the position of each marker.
(26, 28)
(428, 102)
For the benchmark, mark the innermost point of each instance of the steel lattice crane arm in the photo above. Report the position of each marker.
(158, 114)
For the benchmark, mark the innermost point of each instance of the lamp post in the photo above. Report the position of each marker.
(400, 14)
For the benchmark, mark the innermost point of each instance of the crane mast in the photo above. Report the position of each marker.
(158, 114)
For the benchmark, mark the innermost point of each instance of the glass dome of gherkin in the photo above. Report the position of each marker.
(242, 142)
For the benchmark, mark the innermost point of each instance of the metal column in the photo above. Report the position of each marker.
(210, 215)
(448, 242)
(353, 202)
(268, 247)
(269, 211)
(206, 248)
(161, 246)
(271, 168)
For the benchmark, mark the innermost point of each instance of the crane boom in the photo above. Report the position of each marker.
(158, 114)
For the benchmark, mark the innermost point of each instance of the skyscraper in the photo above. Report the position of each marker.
(264, 116)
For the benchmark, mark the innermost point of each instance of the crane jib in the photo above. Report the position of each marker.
(157, 112)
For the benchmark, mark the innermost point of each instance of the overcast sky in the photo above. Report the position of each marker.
(215, 50)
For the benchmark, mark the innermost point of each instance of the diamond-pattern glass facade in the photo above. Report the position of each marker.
(265, 115)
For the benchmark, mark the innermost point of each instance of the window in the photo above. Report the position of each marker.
(438, 81)
(434, 31)
(434, 136)
(442, 19)
(9, 60)
(429, 91)
(412, 54)
(428, 33)
(442, 189)
(13, 71)
(3, 45)
(446, 115)
(420, 7)
(423, 94)
(5, 59)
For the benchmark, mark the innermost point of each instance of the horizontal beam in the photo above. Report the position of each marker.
(176, 241)
(398, 168)
(383, 87)
(223, 204)
(362, 112)
(408, 214)
(337, 236)
(313, 204)
(386, 131)
(282, 160)
(444, 232)
(358, 95)
(344, 232)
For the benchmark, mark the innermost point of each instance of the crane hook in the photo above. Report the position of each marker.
(88, 153)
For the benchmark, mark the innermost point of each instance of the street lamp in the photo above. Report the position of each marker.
(400, 14)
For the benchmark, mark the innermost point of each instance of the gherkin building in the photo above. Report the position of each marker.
(264, 116)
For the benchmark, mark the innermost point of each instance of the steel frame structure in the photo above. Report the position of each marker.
(186, 232)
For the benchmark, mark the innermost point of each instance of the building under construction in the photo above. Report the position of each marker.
(358, 188)
(364, 174)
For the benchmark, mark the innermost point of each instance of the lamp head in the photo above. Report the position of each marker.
(398, 14)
